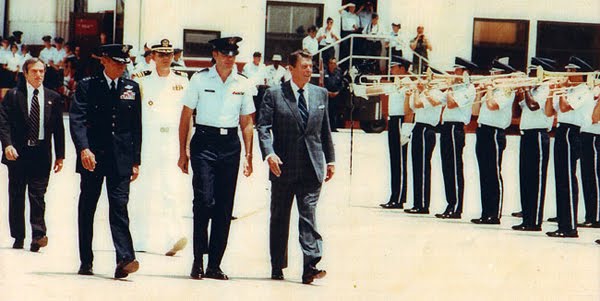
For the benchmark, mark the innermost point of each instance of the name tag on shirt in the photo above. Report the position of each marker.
(237, 93)
(209, 91)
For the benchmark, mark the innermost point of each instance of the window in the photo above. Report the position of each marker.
(493, 38)
(195, 42)
(560, 40)
(286, 26)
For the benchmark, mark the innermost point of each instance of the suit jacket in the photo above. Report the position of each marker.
(281, 131)
(109, 125)
(13, 123)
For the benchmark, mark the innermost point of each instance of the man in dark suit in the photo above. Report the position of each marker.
(106, 127)
(29, 116)
(295, 139)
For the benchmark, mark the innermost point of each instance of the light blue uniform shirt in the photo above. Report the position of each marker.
(429, 114)
(464, 95)
(219, 104)
(536, 119)
(500, 118)
(579, 98)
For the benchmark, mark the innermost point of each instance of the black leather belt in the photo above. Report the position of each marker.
(216, 131)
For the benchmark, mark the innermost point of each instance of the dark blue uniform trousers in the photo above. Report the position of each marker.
(590, 176)
(533, 166)
(452, 143)
(118, 196)
(423, 143)
(215, 160)
(397, 160)
(489, 148)
(566, 153)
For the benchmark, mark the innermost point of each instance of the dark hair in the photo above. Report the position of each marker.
(257, 54)
(294, 56)
(329, 19)
(374, 15)
(312, 28)
(30, 62)
(331, 59)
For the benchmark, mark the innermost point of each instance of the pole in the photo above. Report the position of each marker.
(114, 33)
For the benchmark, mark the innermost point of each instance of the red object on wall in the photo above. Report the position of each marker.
(86, 27)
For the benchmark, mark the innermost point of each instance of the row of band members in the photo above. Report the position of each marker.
(417, 111)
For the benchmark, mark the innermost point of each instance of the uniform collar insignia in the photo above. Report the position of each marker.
(129, 87)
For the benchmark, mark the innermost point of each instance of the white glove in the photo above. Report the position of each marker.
(406, 132)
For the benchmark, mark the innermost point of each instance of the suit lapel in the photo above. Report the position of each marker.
(313, 105)
(47, 107)
(22, 100)
(290, 100)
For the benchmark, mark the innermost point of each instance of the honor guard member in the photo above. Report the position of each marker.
(106, 127)
(223, 100)
(495, 116)
(572, 112)
(460, 97)
(48, 53)
(161, 186)
(534, 150)
(427, 105)
(397, 152)
(590, 165)
(30, 116)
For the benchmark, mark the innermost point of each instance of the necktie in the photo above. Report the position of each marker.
(33, 122)
(302, 107)
(113, 88)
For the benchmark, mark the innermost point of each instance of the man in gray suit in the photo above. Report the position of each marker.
(295, 139)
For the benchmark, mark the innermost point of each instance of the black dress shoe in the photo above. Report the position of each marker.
(598, 241)
(553, 219)
(486, 221)
(448, 215)
(18, 244)
(277, 274)
(392, 205)
(417, 211)
(85, 269)
(589, 225)
(311, 273)
(38, 243)
(563, 234)
(215, 273)
(124, 268)
(517, 214)
(523, 227)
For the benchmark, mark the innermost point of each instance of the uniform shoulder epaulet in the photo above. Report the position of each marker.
(180, 73)
(142, 73)
(242, 75)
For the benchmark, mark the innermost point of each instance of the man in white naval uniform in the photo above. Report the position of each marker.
(161, 190)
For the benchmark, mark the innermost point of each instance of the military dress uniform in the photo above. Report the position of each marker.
(397, 151)
(534, 153)
(452, 143)
(489, 147)
(215, 155)
(161, 185)
(105, 118)
(422, 146)
(567, 150)
(590, 167)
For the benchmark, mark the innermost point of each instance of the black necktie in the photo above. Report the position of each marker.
(302, 107)
(113, 88)
(33, 122)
